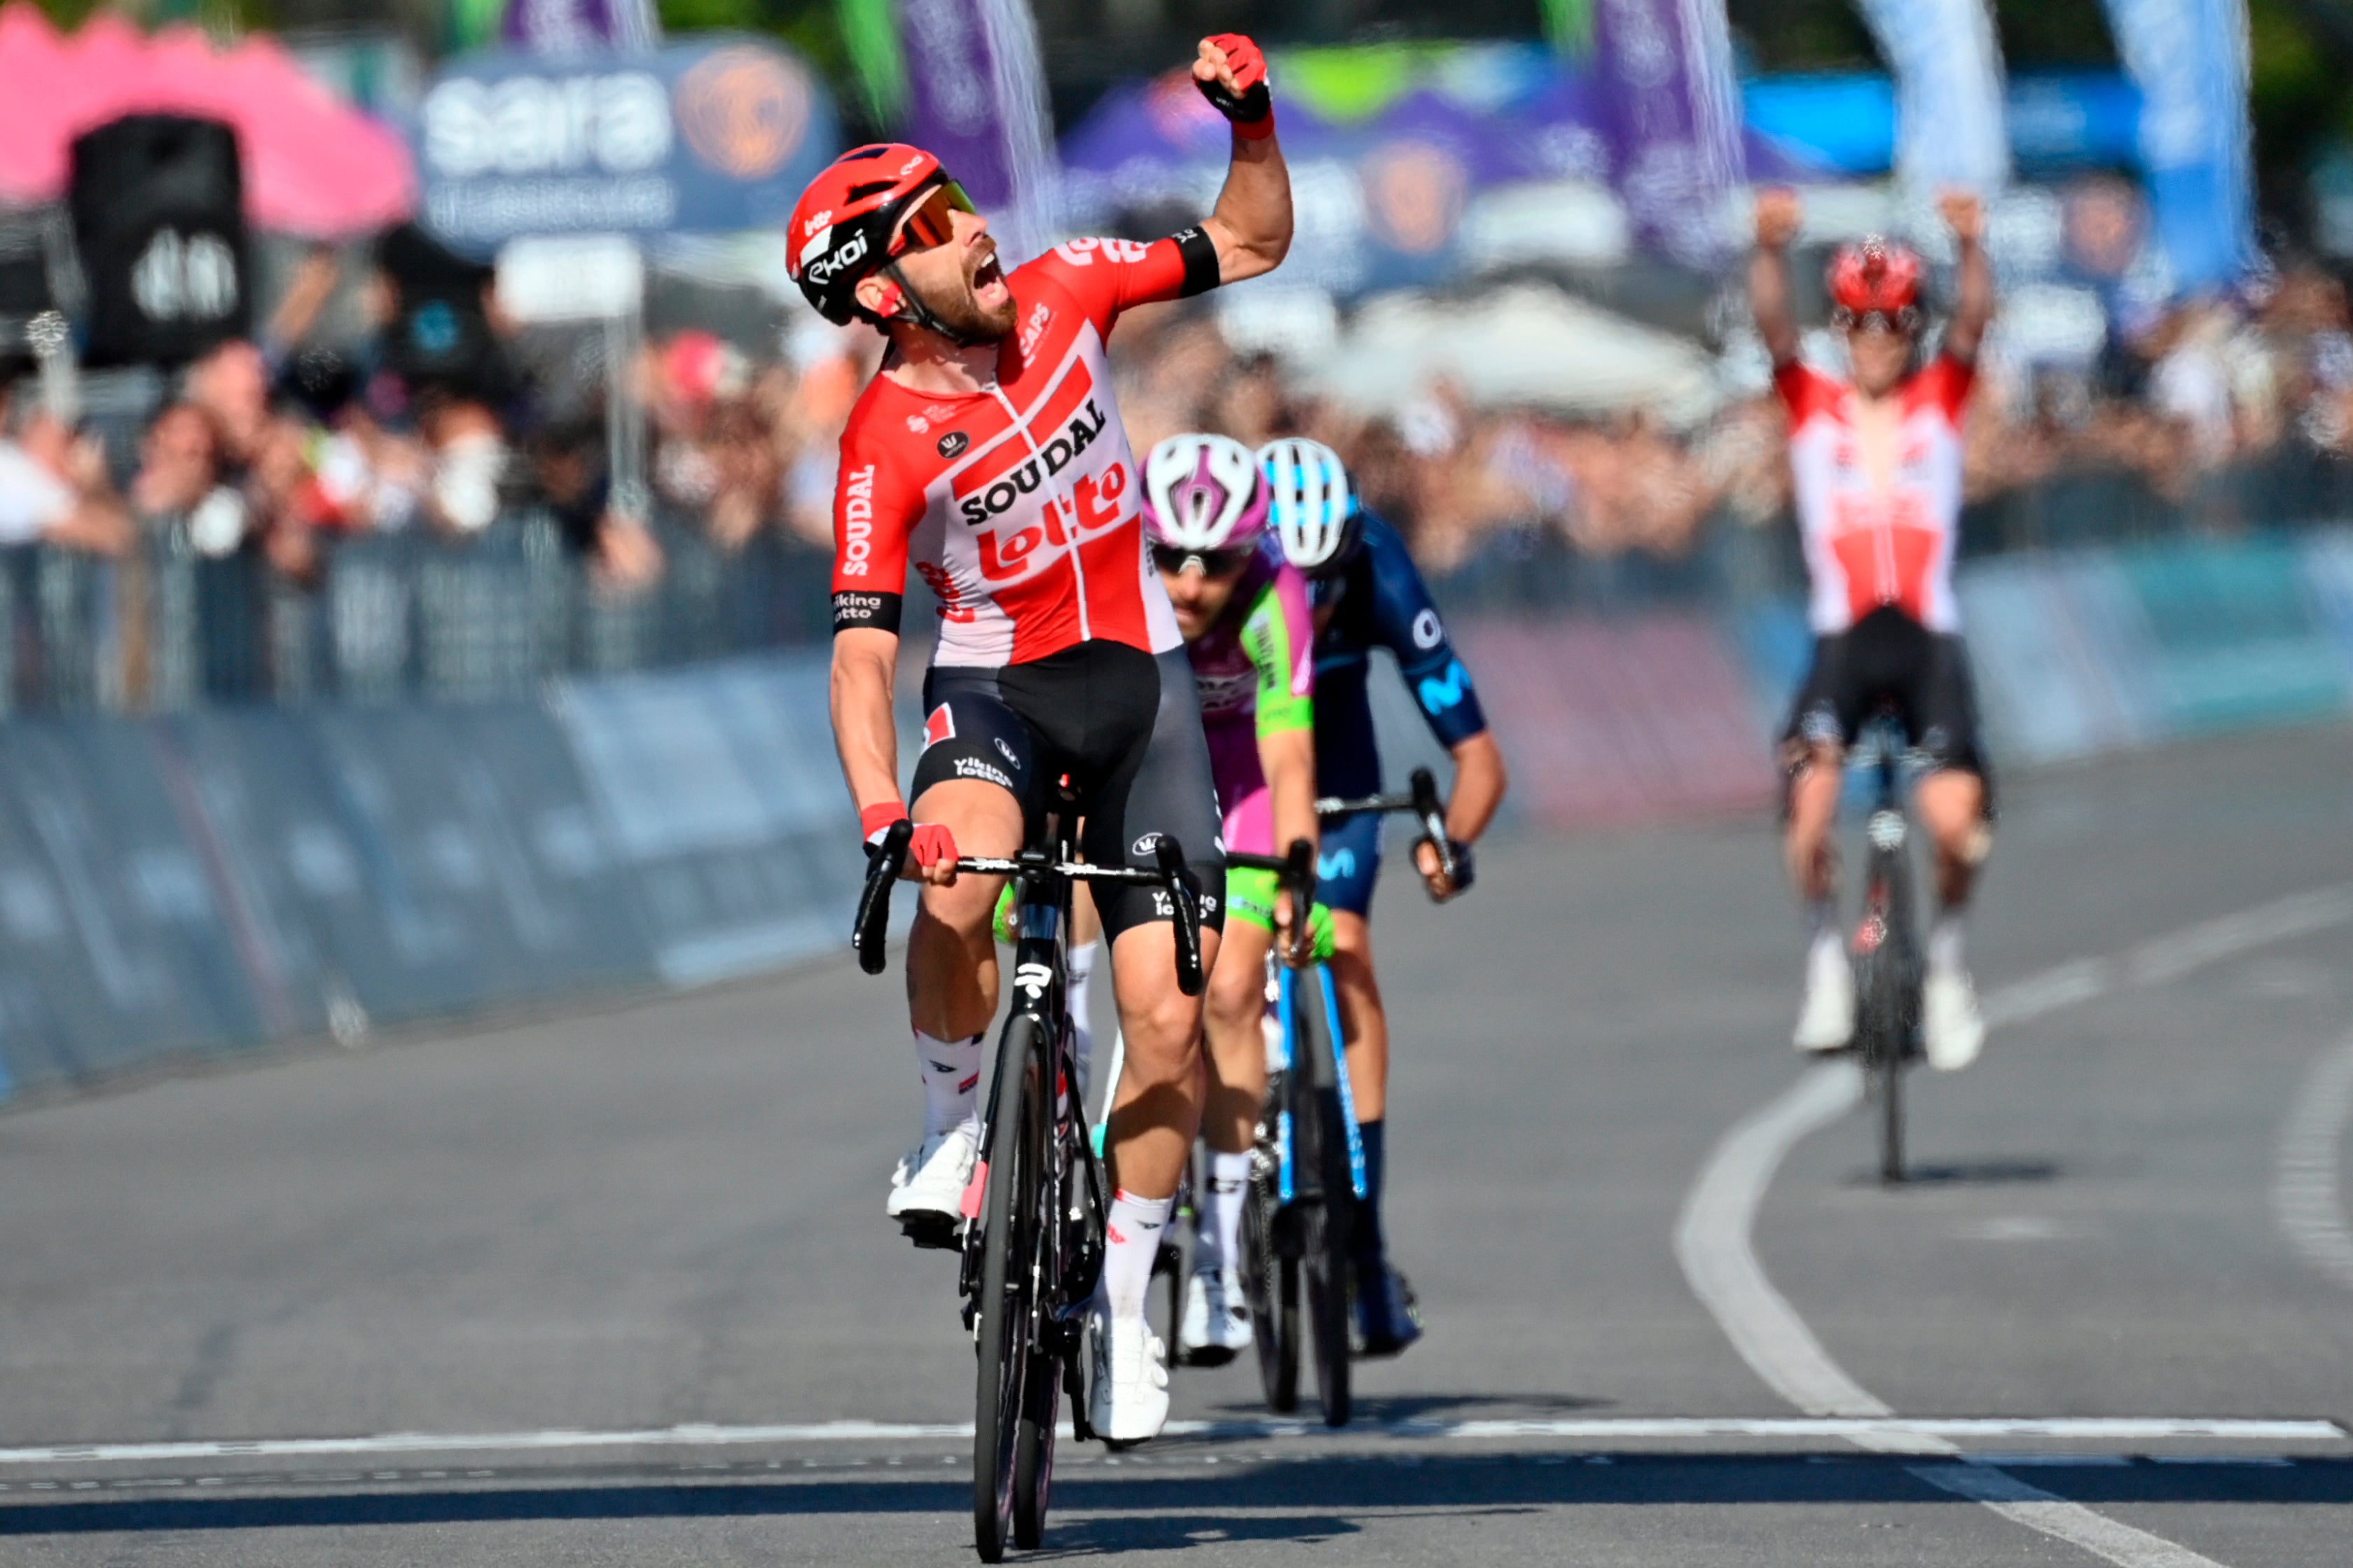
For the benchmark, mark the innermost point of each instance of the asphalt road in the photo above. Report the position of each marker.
(670, 1215)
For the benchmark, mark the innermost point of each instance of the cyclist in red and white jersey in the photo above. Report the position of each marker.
(988, 456)
(1877, 465)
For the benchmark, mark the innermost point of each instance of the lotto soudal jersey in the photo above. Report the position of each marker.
(1019, 505)
(1885, 538)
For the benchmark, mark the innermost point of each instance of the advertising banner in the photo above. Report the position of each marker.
(708, 137)
(580, 26)
(1948, 93)
(1666, 67)
(977, 101)
(2188, 58)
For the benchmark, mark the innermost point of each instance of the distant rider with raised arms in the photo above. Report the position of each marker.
(1877, 465)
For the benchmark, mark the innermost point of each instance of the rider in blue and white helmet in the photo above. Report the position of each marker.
(1314, 512)
(1367, 595)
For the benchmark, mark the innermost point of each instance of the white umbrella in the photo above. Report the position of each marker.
(1527, 345)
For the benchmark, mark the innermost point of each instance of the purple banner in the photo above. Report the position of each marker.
(976, 100)
(1665, 70)
(580, 26)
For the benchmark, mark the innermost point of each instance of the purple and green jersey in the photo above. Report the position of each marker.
(1256, 668)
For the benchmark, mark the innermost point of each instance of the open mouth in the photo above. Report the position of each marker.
(988, 285)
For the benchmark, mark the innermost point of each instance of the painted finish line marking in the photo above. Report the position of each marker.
(2064, 1428)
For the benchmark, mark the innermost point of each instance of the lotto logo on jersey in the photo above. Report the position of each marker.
(940, 726)
(1094, 504)
(1082, 252)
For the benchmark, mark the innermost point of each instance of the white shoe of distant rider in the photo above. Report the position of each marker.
(931, 1179)
(1127, 1392)
(1826, 1017)
(1953, 1027)
(1216, 1314)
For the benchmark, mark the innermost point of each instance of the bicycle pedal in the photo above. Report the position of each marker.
(932, 1232)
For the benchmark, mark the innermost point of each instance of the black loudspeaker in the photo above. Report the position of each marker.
(158, 205)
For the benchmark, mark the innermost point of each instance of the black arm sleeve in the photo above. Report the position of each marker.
(858, 608)
(1202, 273)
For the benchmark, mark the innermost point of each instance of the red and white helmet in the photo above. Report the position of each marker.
(1876, 278)
(842, 227)
(1204, 493)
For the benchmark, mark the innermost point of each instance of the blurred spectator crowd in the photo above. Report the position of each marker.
(446, 418)
(2205, 393)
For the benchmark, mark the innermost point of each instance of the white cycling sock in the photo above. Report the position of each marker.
(951, 1073)
(1132, 1241)
(1082, 1043)
(1218, 1246)
(1944, 942)
(1829, 946)
(1821, 916)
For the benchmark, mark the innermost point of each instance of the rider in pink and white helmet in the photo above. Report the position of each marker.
(1205, 500)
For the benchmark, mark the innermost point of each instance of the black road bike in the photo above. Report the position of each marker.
(1887, 948)
(1031, 1232)
(1300, 1218)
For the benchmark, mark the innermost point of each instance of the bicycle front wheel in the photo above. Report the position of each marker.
(1271, 1282)
(1010, 1207)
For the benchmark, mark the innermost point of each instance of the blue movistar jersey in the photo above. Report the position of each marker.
(1380, 601)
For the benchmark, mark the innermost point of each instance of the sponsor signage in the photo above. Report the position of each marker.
(708, 137)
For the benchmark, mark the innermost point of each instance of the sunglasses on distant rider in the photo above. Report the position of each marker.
(1175, 560)
(1904, 321)
(932, 221)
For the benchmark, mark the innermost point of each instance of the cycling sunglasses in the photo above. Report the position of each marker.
(932, 221)
(1174, 558)
(1903, 322)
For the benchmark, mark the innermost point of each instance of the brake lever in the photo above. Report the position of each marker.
(872, 925)
(1298, 880)
(1432, 812)
(1169, 856)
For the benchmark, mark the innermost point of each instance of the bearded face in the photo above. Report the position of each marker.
(963, 283)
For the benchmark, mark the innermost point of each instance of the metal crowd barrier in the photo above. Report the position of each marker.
(391, 618)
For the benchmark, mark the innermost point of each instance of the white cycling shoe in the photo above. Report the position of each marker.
(1127, 1391)
(1826, 1017)
(929, 1183)
(1217, 1318)
(1953, 1028)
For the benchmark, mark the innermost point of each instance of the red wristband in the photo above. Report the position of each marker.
(1257, 129)
(874, 819)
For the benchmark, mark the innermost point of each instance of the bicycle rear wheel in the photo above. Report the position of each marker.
(1033, 1454)
(1007, 1305)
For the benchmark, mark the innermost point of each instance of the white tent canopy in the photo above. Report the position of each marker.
(1529, 345)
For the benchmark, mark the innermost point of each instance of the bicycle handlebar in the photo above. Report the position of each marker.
(872, 925)
(1295, 873)
(1423, 802)
(884, 860)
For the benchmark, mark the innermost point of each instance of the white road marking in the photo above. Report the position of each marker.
(1713, 1246)
(2305, 1180)
(2171, 956)
(1598, 1429)
(1714, 1233)
(2070, 1522)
